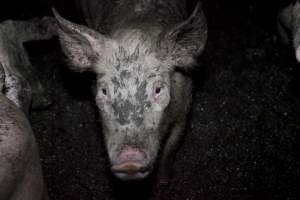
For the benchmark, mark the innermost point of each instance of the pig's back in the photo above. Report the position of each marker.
(110, 15)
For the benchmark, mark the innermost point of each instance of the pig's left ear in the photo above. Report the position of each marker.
(82, 45)
(185, 41)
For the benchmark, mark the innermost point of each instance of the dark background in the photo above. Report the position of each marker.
(243, 137)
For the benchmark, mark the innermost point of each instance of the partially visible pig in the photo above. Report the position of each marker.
(22, 86)
(289, 26)
(140, 51)
(20, 170)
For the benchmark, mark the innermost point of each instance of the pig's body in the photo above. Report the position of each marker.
(21, 84)
(116, 15)
(20, 171)
(139, 50)
(289, 26)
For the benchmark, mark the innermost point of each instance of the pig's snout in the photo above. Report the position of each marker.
(131, 165)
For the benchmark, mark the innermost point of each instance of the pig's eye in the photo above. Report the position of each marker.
(104, 91)
(157, 90)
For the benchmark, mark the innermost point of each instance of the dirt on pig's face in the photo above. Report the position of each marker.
(132, 95)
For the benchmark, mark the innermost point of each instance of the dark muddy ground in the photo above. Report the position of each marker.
(243, 137)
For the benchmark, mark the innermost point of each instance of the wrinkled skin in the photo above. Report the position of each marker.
(289, 26)
(20, 170)
(138, 49)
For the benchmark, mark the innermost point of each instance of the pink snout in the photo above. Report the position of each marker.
(130, 165)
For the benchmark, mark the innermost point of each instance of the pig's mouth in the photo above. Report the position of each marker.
(131, 171)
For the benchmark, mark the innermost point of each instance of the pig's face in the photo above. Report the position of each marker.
(132, 95)
(134, 69)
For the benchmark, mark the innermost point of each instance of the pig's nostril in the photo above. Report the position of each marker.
(131, 165)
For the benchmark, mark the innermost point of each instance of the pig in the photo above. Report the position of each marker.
(24, 87)
(289, 26)
(140, 51)
(20, 168)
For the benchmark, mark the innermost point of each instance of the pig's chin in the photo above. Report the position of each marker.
(132, 176)
(130, 171)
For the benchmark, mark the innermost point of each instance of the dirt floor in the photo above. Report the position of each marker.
(243, 137)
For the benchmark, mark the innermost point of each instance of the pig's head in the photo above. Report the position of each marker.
(134, 70)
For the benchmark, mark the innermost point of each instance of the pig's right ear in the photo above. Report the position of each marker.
(82, 45)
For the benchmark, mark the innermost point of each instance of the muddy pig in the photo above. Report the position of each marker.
(289, 26)
(140, 51)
